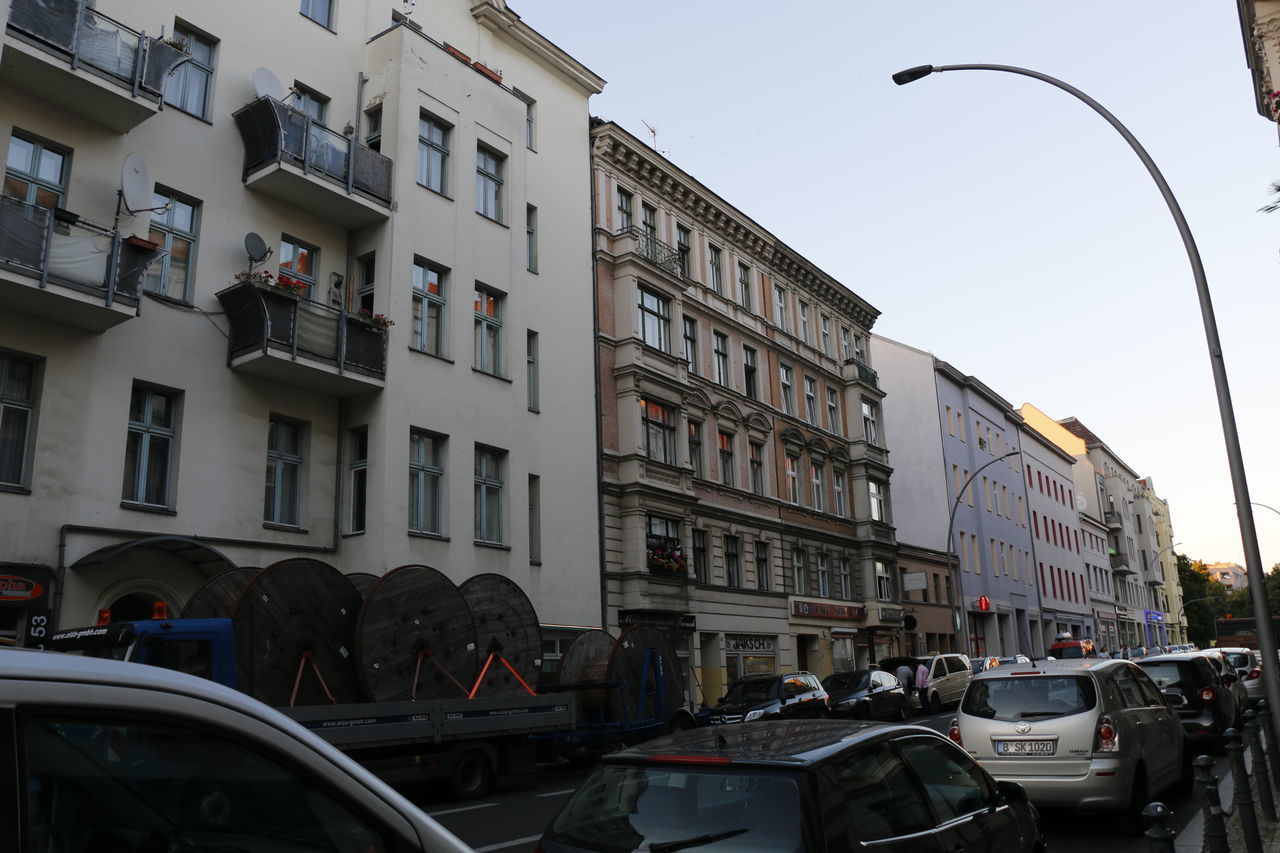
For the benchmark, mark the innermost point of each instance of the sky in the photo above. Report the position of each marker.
(993, 219)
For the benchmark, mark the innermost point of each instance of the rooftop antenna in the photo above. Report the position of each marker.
(653, 134)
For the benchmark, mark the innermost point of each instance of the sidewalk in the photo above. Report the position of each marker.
(1192, 837)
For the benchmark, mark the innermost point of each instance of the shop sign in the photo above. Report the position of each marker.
(891, 615)
(657, 619)
(23, 590)
(1123, 612)
(1154, 615)
(825, 610)
(750, 643)
(914, 580)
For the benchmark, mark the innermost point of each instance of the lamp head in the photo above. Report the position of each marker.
(911, 75)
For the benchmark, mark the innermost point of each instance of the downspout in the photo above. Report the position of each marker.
(595, 364)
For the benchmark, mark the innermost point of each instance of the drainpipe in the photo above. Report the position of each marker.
(595, 362)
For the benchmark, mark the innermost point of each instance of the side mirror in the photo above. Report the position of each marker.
(1012, 792)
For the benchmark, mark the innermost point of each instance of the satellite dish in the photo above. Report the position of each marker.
(135, 184)
(267, 84)
(256, 247)
(1081, 503)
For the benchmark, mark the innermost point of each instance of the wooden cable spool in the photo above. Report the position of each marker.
(507, 627)
(586, 658)
(415, 638)
(218, 596)
(295, 624)
(632, 663)
(363, 582)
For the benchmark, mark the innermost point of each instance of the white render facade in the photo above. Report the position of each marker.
(462, 437)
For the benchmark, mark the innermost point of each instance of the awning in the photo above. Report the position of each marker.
(204, 559)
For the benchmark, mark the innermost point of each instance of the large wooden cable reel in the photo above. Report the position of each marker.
(586, 659)
(363, 582)
(217, 597)
(509, 639)
(639, 655)
(415, 638)
(295, 632)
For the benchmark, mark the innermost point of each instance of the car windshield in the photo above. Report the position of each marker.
(661, 808)
(1170, 673)
(1239, 660)
(1027, 697)
(846, 682)
(752, 691)
(1065, 652)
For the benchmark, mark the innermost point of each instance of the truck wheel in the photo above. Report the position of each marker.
(472, 775)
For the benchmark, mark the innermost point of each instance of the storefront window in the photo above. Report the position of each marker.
(842, 653)
(748, 654)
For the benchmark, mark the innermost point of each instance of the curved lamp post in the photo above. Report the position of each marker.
(961, 626)
(1235, 461)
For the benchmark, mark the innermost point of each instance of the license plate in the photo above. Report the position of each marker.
(1025, 747)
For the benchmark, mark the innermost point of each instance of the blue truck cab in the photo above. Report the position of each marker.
(201, 647)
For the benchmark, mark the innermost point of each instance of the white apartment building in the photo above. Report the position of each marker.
(163, 422)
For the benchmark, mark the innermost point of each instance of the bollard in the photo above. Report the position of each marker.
(1262, 778)
(1272, 748)
(1159, 836)
(1242, 799)
(1215, 825)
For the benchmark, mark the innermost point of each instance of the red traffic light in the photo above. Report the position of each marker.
(984, 603)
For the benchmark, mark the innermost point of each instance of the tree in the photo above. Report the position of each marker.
(1201, 594)
(1240, 602)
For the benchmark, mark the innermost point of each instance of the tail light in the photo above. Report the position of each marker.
(954, 732)
(1254, 673)
(1206, 694)
(1106, 739)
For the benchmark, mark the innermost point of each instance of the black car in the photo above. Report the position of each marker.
(771, 696)
(796, 785)
(1202, 698)
(866, 694)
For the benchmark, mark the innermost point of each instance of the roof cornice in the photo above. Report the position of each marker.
(494, 15)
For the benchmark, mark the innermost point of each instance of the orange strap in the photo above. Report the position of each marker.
(308, 658)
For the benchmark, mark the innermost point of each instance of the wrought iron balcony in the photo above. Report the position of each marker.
(1113, 519)
(69, 54)
(289, 155)
(291, 339)
(653, 250)
(56, 266)
(866, 375)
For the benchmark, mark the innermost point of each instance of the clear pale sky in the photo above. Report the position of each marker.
(993, 219)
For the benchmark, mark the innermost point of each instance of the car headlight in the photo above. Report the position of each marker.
(753, 715)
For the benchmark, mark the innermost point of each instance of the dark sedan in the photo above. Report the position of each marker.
(866, 694)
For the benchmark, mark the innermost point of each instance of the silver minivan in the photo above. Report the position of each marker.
(949, 675)
(1086, 733)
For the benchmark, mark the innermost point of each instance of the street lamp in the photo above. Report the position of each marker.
(1230, 434)
(953, 572)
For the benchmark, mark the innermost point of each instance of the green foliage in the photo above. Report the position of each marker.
(1201, 597)
(1240, 602)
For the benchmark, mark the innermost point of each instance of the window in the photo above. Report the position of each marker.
(433, 154)
(721, 351)
(662, 546)
(695, 447)
(799, 572)
(649, 221)
(658, 422)
(750, 382)
(358, 479)
(531, 238)
(488, 331)
(531, 368)
(535, 519)
(786, 381)
(846, 343)
(804, 322)
(825, 325)
(148, 455)
(298, 263)
(762, 566)
(793, 478)
(870, 422)
(488, 494)
(530, 121)
(284, 472)
(309, 102)
(489, 183)
(834, 423)
(744, 286)
(817, 479)
(624, 209)
(844, 585)
(841, 508)
(35, 171)
(726, 440)
(780, 317)
(884, 582)
(717, 271)
(683, 249)
(700, 555)
(757, 467)
(426, 478)
(732, 562)
(366, 272)
(319, 11)
(824, 577)
(811, 400)
(691, 343)
(428, 307)
(952, 782)
(188, 87)
(373, 129)
(878, 493)
(173, 228)
(17, 412)
(655, 319)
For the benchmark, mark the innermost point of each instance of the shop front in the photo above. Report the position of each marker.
(24, 604)
(827, 634)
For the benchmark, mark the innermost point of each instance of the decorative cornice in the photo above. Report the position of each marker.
(494, 15)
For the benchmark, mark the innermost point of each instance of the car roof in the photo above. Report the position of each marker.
(1049, 667)
(1173, 656)
(766, 742)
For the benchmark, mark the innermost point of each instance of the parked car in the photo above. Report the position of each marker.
(795, 785)
(1088, 733)
(949, 675)
(788, 695)
(865, 694)
(1206, 705)
(124, 756)
(1247, 665)
(992, 663)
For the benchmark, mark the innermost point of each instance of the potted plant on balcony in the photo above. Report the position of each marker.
(664, 557)
(266, 279)
(378, 321)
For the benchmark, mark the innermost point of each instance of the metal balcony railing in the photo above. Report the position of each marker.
(86, 37)
(56, 246)
(866, 374)
(274, 132)
(1112, 518)
(264, 317)
(653, 250)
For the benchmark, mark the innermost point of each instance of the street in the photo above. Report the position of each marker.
(513, 817)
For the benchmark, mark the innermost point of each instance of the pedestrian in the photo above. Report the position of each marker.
(1124, 651)
(903, 672)
(922, 687)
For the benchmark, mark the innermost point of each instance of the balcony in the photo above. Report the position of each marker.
(293, 157)
(1113, 519)
(1120, 564)
(650, 248)
(866, 375)
(290, 339)
(74, 57)
(55, 266)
